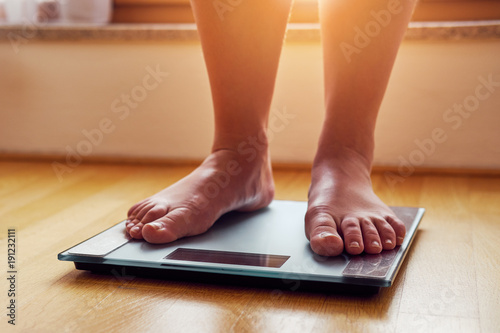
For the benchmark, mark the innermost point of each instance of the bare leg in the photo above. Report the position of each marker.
(343, 210)
(241, 45)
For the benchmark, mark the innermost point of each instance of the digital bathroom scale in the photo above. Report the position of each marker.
(265, 247)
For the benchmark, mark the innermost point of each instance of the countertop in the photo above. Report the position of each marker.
(187, 32)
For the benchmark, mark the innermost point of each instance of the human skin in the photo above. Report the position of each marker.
(241, 49)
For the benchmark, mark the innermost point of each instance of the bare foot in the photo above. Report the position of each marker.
(225, 181)
(344, 212)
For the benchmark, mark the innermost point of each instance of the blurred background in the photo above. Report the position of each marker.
(125, 80)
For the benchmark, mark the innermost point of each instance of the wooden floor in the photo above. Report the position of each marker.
(450, 281)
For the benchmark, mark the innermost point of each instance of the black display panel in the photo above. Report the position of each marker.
(225, 257)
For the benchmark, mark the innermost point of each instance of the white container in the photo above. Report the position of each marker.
(15, 12)
(31, 11)
(87, 11)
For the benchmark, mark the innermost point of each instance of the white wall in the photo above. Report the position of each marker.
(52, 91)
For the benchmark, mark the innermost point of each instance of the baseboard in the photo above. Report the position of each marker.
(282, 166)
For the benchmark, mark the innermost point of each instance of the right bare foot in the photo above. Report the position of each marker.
(225, 181)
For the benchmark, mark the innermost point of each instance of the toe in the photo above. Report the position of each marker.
(386, 233)
(353, 238)
(154, 213)
(144, 210)
(176, 224)
(136, 231)
(134, 226)
(321, 230)
(163, 230)
(398, 227)
(130, 224)
(135, 209)
(143, 213)
(371, 237)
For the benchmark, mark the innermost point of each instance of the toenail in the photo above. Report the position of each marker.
(375, 244)
(326, 234)
(354, 244)
(134, 229)
(388, 241)
(401, 239)
(156, 225)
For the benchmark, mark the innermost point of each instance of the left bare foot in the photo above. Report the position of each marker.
(193, 204)
(344, 212)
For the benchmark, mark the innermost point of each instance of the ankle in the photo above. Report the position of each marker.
(340, 144)
(342, 163)
(249, 147)
(344, 154)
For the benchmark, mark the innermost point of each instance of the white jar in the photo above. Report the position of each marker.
(87, 11)
(15, 11)
(31, 11)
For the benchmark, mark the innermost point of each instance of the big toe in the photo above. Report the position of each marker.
(321, 230)
(174, 225)
(158, 232)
